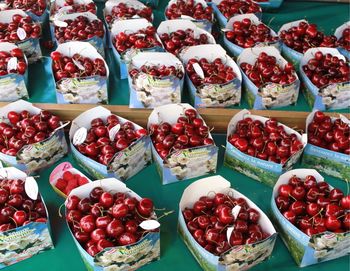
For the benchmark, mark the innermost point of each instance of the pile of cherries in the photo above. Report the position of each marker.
(305, 36)
(189, 131)
(69, 181)
(122, 11)
(215, 72)
(324, 69)
(344, 40)
(175, 41)
(210, 217)
(158, 71)
(229, 8)
(79, 29)
(8, 31)
(328, 134)
(36, 7)
(313, 206)
(104, 219)
(24, 128)
(76, 8)
(16, 208)
(141, 39)
(267, 70)
(5, 58)
(189, 8)
(267, 141)
(76, 66)
(98, 145)
(246, 34)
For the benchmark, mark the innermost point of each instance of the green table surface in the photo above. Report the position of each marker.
(327, 16)
(174, 254)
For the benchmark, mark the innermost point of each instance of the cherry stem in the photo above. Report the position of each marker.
(165, 214)
(293, 197)
(320, 211)
(14, 221)
(59, 210)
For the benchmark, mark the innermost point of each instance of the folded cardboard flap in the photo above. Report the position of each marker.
(20, 104)
(129, 26)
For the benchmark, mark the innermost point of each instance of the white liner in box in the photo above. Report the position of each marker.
(338, 33)
(125, 163)
(30, 47)
(122, 258)
(213, 95)
(330, 97)
(91, 89)
(330, 162)
(235, 49)
(240, 257)
(307, 250)
(147, 91)
(183, 164)
(255, 168)
(37, 156)
(269, 95)
(13, 86)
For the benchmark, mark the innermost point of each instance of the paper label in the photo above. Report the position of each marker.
(21, 33)
(235, 211)
(60, 23)
(198, 70)
(79, 136)
(113, 132)
(31, 188)
(229, 232)
(186, 17)
(12, 64)
(149, 225)
(78, 64)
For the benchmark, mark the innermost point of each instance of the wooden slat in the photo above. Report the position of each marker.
(217, 118)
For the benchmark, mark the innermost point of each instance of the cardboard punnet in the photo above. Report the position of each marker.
(30, 47)
(125, 163)
(255, 168)
(147, 91)
(234, 49)
(34, 157)
(91, 89)
(330, 97)
(240, 257)
(58, 172)
(329, 162)
(269, 95)
(307, 250)
(123, 258)
(59, 7)
(13, 86)
(25, 241)
(339, 33)
(204, 24)
(221, 18)
(213, 95)
(183, 164)
(129, 26)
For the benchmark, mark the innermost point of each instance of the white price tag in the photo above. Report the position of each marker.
(304, 138)
(21, 33)
(186, 17)
(135, 16)
(112, 133)
(140, 35)
(229, 232)
(235, 211)
(226, 30)
(149, 225)
(60, 23)
(12, 64)
(198, 70)
(78, 64)
(31, 188)
(79, 136)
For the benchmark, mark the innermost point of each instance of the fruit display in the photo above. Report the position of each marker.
(105, 217)
(31, 6)
(72, 6)
(308, 211)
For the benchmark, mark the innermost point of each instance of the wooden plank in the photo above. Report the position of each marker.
(218, 118)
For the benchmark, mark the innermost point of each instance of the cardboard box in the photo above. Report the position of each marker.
(125, 163)
(213, 95)
(13, 86)
(330, 162)
(147, 91)
(129, 26)
(29, 240)
(236, 50)
(270, 4)
(255, 168)
(330, 97)
(307, 250)
(34, 157)
(91, 89)
(123, 258)
(30, 47)
(269, 95)
(203, 24)
(339, 33)
(59, 7)
(187, 163)
(240, 257)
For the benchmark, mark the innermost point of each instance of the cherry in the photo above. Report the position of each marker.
(145, 207)
(229, 8)
(115, 228)
(197, 11)
(126, 238)
(124, 10)
(290, 216)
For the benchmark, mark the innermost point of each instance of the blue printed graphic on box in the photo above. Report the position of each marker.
(307, 250)
(124, 164)
(147, 91)
(123, 258)
(329, 97)
(261, 170)
(269, 95)
(212, 95)
(339, 33)
(241, 257)
(332, 163)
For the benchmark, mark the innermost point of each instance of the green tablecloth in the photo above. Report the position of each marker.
(327, 16)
